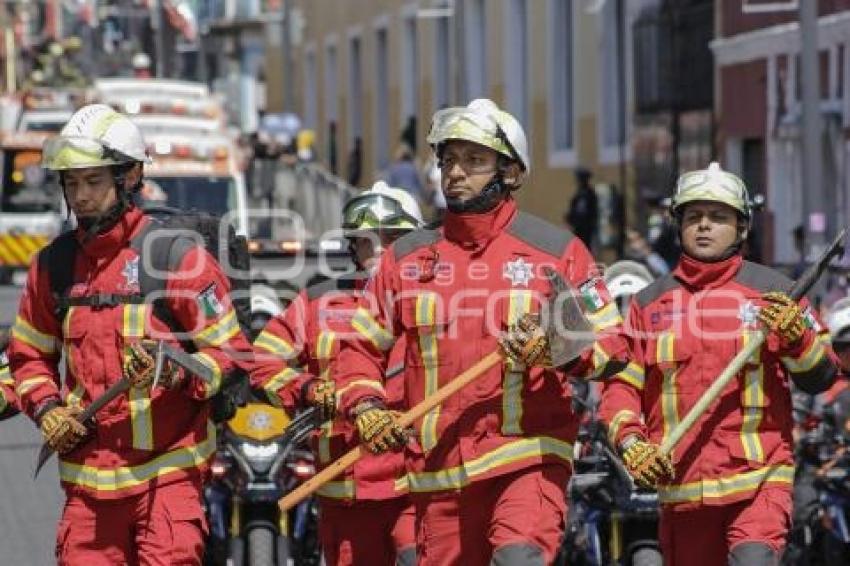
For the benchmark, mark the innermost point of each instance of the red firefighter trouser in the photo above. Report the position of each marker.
(467, 527)
(165, 526)
(366, 532)
(705, 535)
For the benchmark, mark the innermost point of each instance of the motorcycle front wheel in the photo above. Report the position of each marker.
(647, 556)
(261, 547)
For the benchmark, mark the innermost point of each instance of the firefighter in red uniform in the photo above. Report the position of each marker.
(133, 476)
(8, 399)
(487, 470)
(729, 498)
(366, 516)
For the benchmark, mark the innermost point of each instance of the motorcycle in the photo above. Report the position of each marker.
(262, 455)
(610, 520)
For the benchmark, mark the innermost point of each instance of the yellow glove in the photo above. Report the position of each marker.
(783, 316)
(379, 430)
(646, 464)
(139, 367)
(61, 429)
(526, 342)
(321, 393)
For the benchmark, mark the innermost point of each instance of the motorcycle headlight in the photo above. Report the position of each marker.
(260, 451)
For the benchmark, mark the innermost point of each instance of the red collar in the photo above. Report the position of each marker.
(476, 230)
(703, 275)
(109, 242)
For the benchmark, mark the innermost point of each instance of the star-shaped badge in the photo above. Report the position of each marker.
(518, 271)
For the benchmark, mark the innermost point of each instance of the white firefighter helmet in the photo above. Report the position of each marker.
(381, 208)
(712, 184)
(95, 136)
(484, 123)
(838, 320)
(626, 278)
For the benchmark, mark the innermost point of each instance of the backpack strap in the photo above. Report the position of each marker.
(58, 260)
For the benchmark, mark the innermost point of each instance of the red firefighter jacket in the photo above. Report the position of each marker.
(309, 334)
(449, 294)
(685, 329)
(8, 399)
(141, 439)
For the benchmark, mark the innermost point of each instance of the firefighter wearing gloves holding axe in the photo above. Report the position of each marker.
(487, 467)
(721, 461)
(366, 516)
(132, 454)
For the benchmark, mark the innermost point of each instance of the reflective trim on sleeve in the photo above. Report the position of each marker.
(810, 357)
(426, 308)
(218, 333)
(337, 490)
(717, 488)
(133, 319)
(212, 387)
(275, 345)
(28, 385)
(141, 419)
(6, 377)
(401, 485)
(126, 477)
(633, 375)
(606, 317)
(277, 382)
(371, 383)
(520, 304)
(368, 327)
(26, 333)
(620, 418)
(460, 476)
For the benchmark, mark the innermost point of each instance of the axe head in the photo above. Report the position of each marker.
(569, 331)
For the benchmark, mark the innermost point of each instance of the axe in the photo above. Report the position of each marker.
(569, 335)
(163, 351)
(800, 288)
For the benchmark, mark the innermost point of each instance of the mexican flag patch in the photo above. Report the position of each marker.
(594, 294)
(208, 302)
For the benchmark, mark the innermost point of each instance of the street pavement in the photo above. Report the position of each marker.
(29, 509)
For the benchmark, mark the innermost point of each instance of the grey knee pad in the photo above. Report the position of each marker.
(523, 554)
(406, 557)
(753, 554)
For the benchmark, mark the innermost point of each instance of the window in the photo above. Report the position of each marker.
(382, 98)
(475, 48)
(310, 110)
(561, 81)
(355, 88)
(331, 94)
(610, 112)
(442, 62)
(409, 71)
(516, 60)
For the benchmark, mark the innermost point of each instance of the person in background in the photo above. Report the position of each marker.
(403, 173)
(583, 214)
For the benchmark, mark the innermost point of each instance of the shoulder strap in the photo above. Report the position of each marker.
(58, 260)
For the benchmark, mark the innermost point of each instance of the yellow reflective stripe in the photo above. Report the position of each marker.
(376, 385)
(66, 324)
(599, 360)
(520, 304)
(212, 387)
(633, 375)
(808, 359)
(752, 401)
(669, 396)
(75, 396)
(324, 444)
(460, 476)
(28, 385)
(401, 485)
(426, 307)
(619, 418)
(124, 477)
(606, 317)
(278, 381)
(25, 332)
(337, 490)
(274, 344)
(134, 321)
(218, 333)
(6, 377)
(141, 418)
(716, 488)
(368, 327)
(324, 350)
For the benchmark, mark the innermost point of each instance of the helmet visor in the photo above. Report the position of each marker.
(376, 212)
(71, 152)
(463, 123)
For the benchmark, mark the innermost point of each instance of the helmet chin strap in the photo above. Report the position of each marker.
(492, 194)
(104, 222)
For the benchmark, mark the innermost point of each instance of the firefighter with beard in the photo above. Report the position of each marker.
(487, 469)
(132, 477)
(726, 488)
(366, 515)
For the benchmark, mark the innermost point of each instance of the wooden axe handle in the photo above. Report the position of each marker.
(304, 490)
